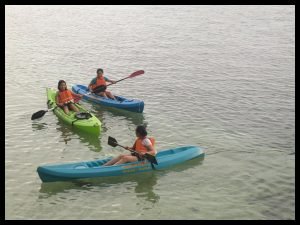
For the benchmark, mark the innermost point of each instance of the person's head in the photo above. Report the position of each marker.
(140, 131)
(99, 72)
(62, 85)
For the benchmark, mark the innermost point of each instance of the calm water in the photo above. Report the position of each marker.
(220, 77)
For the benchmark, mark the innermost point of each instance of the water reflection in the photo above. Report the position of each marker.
(36, 125)
(144, 185)
(68, 133)
(92, 141)
(115, 113)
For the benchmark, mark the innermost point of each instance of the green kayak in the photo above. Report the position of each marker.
(83, 120)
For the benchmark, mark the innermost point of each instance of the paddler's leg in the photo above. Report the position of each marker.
(113, 161)
(110, 95)
(73, 107)
(66, 109)
(127, 158)
(102, 94)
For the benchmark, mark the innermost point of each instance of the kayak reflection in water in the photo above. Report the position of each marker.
(142, 145)
(64, 97)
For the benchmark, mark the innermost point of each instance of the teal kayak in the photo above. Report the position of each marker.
(95, 168)
(89, 124)
(133, 105)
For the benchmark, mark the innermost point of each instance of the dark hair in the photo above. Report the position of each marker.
(141, 130)
(59, 82)
(99, 70)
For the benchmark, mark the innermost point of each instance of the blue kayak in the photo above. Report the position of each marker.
(133, 105)
(90, 169)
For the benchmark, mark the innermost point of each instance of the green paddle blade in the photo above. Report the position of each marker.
(38, 114)
(151, 158)
(112, 142)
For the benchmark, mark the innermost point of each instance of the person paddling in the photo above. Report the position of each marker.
(64, 97)
(101, 80)
(142, 145)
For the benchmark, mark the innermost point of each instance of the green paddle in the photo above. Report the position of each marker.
(113, 142)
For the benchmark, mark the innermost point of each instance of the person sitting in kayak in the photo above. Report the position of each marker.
(64, 98)
(100, 82)
(142, 145)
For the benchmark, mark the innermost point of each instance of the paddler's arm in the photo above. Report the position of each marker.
(131, 148)
(150, 150)
(93, 81)
(57, 100)
(108, 80)
(77, 95)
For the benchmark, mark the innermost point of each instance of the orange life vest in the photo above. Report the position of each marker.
(65, 96)
(139, 147)
(99, 81)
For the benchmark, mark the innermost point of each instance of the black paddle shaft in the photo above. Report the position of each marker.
(113, 142)
(148, 156)
(102, 88)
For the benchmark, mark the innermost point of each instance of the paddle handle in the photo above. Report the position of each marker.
(117, 81)
(128, 149)
(113, 142)
(77, 99)
(136, 73)
(123, 146)
(152, 158)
